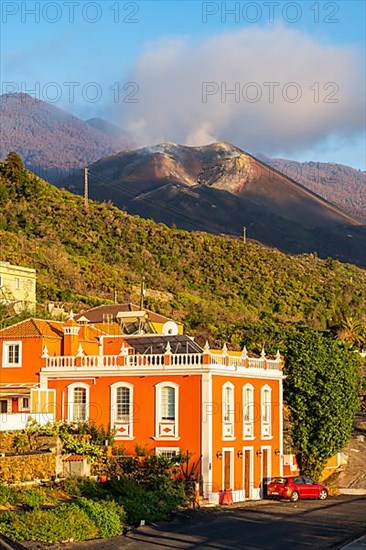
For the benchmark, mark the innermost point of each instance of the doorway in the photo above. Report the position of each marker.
(266, 469)
(248, 474)
(228, 470)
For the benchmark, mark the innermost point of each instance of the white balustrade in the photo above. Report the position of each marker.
(159, 361)
(61, 361)
(217, 359)
(151, 360)
(187, 359)
(256, 363)
(112, 361)
(273, 364)
(235, 361)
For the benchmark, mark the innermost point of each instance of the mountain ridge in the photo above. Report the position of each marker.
(50, 140)
(217, 285)
(54, 154)
(219, 188)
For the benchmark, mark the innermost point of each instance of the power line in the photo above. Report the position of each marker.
(86, 186)
(129, 194)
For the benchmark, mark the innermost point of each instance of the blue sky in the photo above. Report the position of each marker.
(168, 50)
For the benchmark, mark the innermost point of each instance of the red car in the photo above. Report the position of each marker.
(296, 487)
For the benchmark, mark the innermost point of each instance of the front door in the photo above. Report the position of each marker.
(266, 470)
(227, 470)
(247, 473)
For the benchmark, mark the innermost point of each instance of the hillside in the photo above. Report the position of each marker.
(219, 188)
(50, 140)
(218, 285)
(342, 185)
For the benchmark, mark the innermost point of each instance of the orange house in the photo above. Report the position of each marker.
(161, 392)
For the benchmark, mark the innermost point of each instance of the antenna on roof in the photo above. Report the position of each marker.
(86, 186)
(143, 292)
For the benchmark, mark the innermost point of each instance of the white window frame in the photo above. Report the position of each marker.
(6, 345)
(248, 425)
(115, 422)
(159, 451)
(21, 408)
(266, 413)
(1, 281)
(17, 283)
(228, 412)
(8, 405)
(160, 424)
(70, 401)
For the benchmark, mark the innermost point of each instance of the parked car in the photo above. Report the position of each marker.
(296, 487)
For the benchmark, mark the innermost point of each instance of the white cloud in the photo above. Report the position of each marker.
(171, 76)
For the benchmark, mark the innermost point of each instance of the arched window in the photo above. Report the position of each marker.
(122, 409)
(166, 406)
(78, 402)
(228, 410)
(248, 411)
(266, 411)
(123, 404)
(168, 403)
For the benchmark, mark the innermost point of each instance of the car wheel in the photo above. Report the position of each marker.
(323, 494)
(294, 497)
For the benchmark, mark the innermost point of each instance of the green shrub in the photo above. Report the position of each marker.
(83, 487)
(107, 515)
(141, 502)
(75, 444)
(8, 495)
(5, 517)
(32, 499)
(21, 443)
(64, 523)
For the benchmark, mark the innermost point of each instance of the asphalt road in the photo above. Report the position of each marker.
(281, 525)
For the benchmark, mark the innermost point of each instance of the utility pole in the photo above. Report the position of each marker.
(142, 294)
(86, 186)
(244, 235)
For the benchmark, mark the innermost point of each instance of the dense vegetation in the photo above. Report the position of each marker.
(82, 509)
(51, 141)
(321, 387)
(220, 287)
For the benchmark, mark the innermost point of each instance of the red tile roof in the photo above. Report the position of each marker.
(33, 328)
(75, 458)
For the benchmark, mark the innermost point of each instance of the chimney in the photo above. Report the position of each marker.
(71, 336)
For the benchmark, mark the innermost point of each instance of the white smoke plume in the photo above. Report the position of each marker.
(175, 104)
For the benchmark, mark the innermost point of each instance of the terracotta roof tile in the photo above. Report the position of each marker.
(33, 328)
(74, 458)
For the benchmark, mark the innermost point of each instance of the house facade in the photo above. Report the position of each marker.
(18, 287)
(161, 392)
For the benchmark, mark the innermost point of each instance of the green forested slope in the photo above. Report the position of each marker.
(218, 285)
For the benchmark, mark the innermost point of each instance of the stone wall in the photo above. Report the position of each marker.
(8, 442)
(28, 467)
